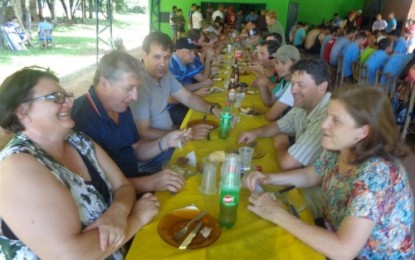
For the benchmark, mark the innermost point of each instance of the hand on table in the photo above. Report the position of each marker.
(261, 82)
(206, 83)
(200, 131)
(250, 181)
(146, 208)
(178, 138)
(168, 180)
(202, 91)
(247, 137)
(112, 228)
(264, 205)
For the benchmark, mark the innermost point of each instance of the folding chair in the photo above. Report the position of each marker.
(409, 99)
(339, 72)
(363, 74)
(357, 72)
(385, 82)
(46, 39)
(12, 39)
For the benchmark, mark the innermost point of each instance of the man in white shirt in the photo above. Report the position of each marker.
(380, 24)
(219, 12)
(197, 18)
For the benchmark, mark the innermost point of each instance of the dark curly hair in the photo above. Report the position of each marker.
(17, 89)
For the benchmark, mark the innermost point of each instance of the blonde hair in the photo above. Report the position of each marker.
(271, 14)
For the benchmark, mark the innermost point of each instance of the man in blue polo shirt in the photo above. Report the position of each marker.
(103, 113)
(378, 59)
(351, 54)
(399, 43)
(394, 67)
(188, 73)
(183, 67)
(340, 44)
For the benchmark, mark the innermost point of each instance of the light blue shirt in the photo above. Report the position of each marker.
(299, 36)
(395, 65)
(376, 61)
(351, 54)
(400, 45)
(391, 25)
(42, 26)
(337, 49)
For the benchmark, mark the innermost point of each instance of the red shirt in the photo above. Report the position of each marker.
(231, 20)
(327, 50)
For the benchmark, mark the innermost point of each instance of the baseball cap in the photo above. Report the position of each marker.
(185, 43)
(286, 52)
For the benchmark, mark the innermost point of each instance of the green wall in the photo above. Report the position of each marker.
(311, 11)
(314, 11)
(280, 6)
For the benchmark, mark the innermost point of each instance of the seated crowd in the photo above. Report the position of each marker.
(358, 52)
(97, 159)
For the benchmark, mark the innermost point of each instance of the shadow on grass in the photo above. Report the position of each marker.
(70, 40)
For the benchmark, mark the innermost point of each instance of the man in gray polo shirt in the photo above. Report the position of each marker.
(150, 109)
(310, 81)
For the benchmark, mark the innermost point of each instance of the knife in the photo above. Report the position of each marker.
(191, 235)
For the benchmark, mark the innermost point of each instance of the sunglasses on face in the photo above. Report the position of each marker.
(56, 97)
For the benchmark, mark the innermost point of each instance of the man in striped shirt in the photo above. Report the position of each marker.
(310, 83)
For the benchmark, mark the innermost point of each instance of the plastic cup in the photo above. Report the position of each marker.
(208, 185)
(239, 98)
(245, 153)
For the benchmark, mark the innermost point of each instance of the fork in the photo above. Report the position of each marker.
(184, 230)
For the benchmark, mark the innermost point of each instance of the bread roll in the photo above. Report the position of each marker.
(217, 156)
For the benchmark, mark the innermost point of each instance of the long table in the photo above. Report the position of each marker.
(251, 237)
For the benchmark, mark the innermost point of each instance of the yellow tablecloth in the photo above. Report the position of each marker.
(251, 237)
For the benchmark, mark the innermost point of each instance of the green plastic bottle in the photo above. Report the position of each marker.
(225, 121)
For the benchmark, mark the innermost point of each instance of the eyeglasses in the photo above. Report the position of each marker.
(56, 97)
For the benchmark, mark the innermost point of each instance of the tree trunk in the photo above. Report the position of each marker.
(83, 11)
(3, 4)
(90, 8)
(17, 7)
(40, 9)
(28, 20)
(51, 6)
(65, 9)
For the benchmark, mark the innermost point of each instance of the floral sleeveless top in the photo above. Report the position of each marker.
(377, 190)
(91, 204)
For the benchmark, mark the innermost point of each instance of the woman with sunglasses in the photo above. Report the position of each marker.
(62, 197)
(368, 199)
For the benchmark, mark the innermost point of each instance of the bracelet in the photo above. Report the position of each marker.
(211, 109)
(159, 143)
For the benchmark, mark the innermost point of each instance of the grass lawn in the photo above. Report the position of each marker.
(75, 45)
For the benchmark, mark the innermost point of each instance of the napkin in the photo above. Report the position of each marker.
(192, 158)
